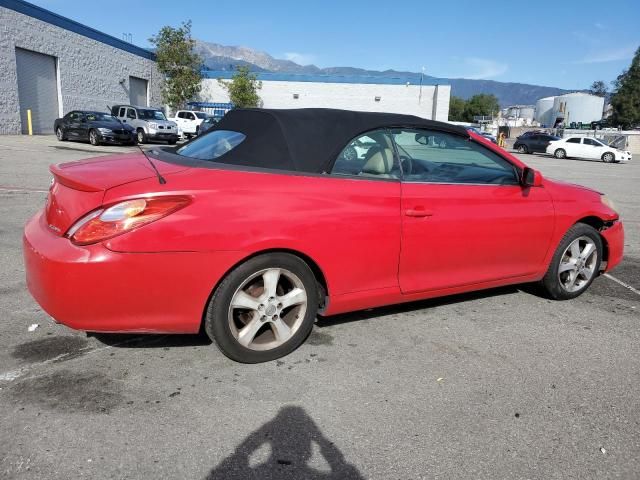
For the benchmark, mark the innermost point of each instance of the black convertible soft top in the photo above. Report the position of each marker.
(307, 139)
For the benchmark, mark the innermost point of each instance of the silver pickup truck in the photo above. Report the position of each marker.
(149, 123)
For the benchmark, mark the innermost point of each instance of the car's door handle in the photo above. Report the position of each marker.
(418, 212)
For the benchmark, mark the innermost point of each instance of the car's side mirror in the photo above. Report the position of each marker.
(421, 138)
(531, 177)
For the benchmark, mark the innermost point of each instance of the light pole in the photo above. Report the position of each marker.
(421, 78)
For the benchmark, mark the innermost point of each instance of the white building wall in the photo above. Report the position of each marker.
(89, 71)
(349, 96)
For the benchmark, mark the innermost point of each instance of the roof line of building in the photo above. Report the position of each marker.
(47, 16)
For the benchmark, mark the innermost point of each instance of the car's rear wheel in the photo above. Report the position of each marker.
(522, 149)
(560, 153)
(575, 263)
(141, 136)
(608, 157)
(263, 309)
(60, 135)
(94, 139)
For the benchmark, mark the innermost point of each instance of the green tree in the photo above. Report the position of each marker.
(598, 88)
(456, 109)
(243, 88)
(482, 104)
(626, 96)
(178, 62)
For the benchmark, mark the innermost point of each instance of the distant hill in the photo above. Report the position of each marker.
(225, 58)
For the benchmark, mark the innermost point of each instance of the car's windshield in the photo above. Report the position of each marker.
(201, 114)
(212, 145)
(100, 117)
(151, 115)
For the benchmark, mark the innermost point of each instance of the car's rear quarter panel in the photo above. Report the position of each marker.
(349, 227)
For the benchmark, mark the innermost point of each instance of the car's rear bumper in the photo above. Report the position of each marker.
(95, 289)
(614, 238)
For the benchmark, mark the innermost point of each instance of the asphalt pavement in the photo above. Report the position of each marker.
(500, 384)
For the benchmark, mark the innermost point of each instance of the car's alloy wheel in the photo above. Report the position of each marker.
(350, 154)
(93, 138)
(141, 136)
(60, 135)
(522, 149)
(263, 309)
(608, 157)
(560, 153)
(575, 263)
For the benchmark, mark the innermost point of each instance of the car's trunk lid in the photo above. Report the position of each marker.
(79, 187)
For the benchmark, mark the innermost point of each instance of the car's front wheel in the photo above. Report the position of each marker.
(94, 139)
(141, 136)
(263, 309)
(575, 263)
(608, 157)
(560, 153)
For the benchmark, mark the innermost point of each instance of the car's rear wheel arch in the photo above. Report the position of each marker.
(323, 287)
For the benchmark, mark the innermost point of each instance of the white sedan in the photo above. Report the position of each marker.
(588, 148)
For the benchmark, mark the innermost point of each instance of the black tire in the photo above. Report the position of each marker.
(608, 157)
(551, 282)
(94, 138)
(60, 134)
(217, 324)
(523, 149)
(560, 153)
(141, 137)
(171, 142)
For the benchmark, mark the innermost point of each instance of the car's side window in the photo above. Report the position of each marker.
(369, 155)
(122, 112)
(181, 114)
(131, 113)
(574, 140)
(588, 141)
(438, 157)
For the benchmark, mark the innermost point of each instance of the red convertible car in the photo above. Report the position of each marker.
(276, 216)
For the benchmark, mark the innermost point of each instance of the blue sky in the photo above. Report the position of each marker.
(561, 43)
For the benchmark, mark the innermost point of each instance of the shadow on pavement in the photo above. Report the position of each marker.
(290, 437)
(134, 340)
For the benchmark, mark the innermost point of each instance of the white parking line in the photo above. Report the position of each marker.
(620, 282)
(22, 190)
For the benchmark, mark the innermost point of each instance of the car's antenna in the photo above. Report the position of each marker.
(161, 179)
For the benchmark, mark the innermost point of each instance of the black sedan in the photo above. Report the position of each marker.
(532, 143)
(96, 127)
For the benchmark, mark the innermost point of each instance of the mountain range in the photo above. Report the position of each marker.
(226, 58)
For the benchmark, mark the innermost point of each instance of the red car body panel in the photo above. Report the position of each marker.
(369, 252)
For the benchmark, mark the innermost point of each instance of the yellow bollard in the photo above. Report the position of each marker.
(29, 126)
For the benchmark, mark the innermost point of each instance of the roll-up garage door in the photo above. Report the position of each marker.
(138, 91)
(37, 90)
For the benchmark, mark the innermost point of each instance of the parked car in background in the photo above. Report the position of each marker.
(534, 143)
(148, 123)
(189, 122)
(95, 127)
(250, 231)
(600, 124)
(207, 124)
(486, 135)
(587, 148)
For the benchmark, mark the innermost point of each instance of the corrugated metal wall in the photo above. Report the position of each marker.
(37, 90)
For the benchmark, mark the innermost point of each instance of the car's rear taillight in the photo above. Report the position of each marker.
(122, 217)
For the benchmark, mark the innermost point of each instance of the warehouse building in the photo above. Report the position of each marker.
(300, 91)
(51, 65)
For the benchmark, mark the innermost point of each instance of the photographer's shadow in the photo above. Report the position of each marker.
(290, 437)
